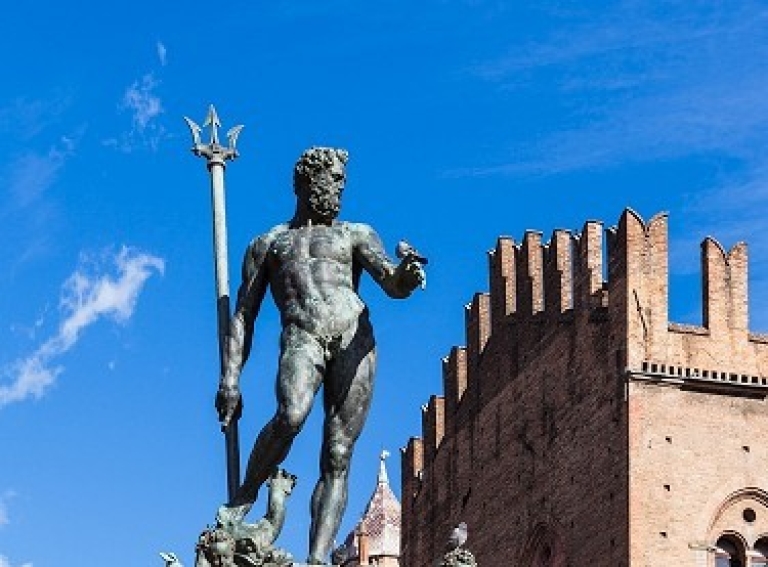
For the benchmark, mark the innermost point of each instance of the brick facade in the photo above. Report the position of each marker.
(579, 427)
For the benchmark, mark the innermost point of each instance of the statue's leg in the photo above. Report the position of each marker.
(347, 395)
(298, 379)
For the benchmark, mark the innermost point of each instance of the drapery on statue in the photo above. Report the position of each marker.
(313, 264)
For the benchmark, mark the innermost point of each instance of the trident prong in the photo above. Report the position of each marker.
(195, 130)
(213, 151)
(232, 135)
(212, 120)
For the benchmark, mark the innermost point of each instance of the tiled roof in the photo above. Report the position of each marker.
(381, 521)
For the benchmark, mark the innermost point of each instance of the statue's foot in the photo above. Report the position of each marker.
(228, 516)
(280, 557)
(252, 537)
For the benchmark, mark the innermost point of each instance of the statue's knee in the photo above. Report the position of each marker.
(339, 455)
(290, 422)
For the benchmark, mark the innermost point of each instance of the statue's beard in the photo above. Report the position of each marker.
(325, 205)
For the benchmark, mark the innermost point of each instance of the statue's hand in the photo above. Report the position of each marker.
(229, 404)
(410, 274)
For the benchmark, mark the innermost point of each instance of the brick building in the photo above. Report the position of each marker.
(580, 427)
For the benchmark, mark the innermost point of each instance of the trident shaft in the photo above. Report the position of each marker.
(216, 157)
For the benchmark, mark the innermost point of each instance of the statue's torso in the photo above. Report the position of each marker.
(311, 274)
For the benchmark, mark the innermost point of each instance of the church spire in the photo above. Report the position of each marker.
(378, 533)
(383, 478)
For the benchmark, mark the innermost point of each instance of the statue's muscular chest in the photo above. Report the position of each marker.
(311, 244)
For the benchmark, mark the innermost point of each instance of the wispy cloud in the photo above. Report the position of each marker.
(26, 208)
(25, 117)
(731, 211)
(5, 562)
(31, 174)
(143, 103)
(5, 497)
(162, 53)
(30, 331)
(87, 296)
(628, 31)
(140, 98)
(640, 83)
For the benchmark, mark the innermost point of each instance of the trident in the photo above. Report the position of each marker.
(216, 156)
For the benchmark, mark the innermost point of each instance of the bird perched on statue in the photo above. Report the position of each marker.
(171, 560)
(458, 536)
(404, 250)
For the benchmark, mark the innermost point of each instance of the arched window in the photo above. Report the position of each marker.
(759, 554)
(730, 552)
(544, 549)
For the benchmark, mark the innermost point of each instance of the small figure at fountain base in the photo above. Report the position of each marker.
(234, 543)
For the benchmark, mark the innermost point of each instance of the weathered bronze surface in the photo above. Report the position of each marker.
(312, 264)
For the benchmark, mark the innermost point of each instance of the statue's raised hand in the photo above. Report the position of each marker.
(410, 273)
(229, 404)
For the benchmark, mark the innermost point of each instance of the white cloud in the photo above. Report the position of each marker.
(87, 296)
(162, 53)
(140, 98)
(5, 562)
(144, 104)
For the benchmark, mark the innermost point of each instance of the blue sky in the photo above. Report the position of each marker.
(464, 120)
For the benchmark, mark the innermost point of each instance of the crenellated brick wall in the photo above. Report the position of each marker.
(540, 440)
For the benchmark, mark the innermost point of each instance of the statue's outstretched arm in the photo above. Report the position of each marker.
(240, 336)
(397, 281)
